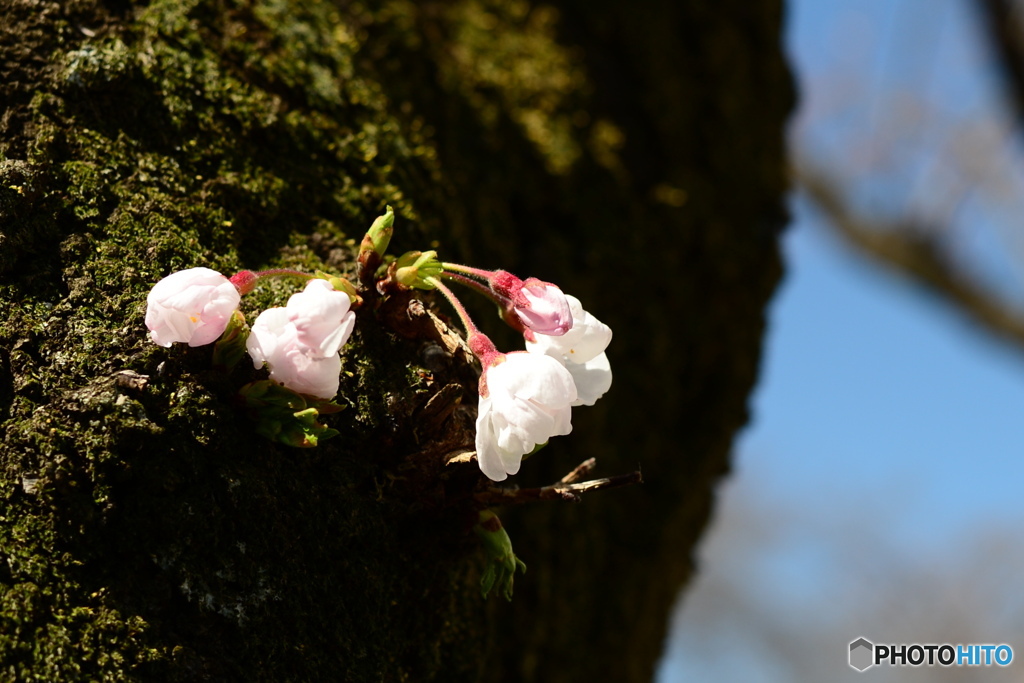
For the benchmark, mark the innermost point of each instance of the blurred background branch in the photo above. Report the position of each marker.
(950, 183)
(915, 250)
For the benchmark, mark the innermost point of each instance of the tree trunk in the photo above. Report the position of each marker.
(630, 152)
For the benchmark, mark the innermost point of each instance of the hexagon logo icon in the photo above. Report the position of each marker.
(862, 653)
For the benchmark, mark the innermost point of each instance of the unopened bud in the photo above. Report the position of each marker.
(502, 563)
(378, 237)
(340, 284)
(415, 269)
(537, 306)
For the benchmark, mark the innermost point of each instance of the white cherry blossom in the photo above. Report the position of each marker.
(525, 399)
(300, 342)
(190, 306)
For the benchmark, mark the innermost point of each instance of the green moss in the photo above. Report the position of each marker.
(149, 533)
(511, 47)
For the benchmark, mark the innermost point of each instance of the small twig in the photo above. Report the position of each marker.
(585, 467)
(563, 490)
(606, 483)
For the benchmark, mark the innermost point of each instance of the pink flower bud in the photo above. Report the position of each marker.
(546, 310)
(191, 306)
(540, 306)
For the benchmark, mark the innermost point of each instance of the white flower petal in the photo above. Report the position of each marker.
(487, 455)
(264, 334)
(536, 377)
(301, 372)
(511, 460)
(512, 436)
(322, 317)
(593, 379)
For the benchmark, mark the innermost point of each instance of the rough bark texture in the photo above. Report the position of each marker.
(630, 151)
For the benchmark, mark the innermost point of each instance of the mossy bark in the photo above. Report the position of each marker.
(631, 152)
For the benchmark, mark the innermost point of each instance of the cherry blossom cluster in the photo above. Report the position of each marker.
(298, 343)
(525, 397)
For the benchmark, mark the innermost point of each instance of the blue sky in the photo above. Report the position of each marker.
(870, 381)
(873, 388)
(884, 460)
(878, 405)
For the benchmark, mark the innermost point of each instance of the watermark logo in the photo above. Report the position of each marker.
(864, 654)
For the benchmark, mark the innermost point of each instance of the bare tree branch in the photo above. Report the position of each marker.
(912, 249)
(567, 488)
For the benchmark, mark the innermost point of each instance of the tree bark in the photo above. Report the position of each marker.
(631, 152)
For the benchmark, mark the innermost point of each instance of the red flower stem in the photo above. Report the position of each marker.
(477, 287)
(479, 343)
(468, 270)
(283, 272)
(245, 280)
(467, 322)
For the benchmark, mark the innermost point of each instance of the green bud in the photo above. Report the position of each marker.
(502, 563)
(307, 417)
(340, 284)
(378, 236)
(413, 268)
(293, 435)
